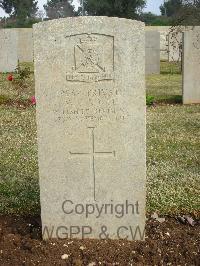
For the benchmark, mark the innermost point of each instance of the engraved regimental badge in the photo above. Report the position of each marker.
(90, 57)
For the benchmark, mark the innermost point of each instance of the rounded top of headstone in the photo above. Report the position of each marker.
(88, 20)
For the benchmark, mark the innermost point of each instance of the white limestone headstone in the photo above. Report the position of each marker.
(175, 45)
(8, 50)
(25, 44)
(164, 36)
(152, 52)
(90, 92)
(191, 66)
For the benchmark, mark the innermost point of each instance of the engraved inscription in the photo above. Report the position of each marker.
(100, 104)
(92, 155)
(93, 58)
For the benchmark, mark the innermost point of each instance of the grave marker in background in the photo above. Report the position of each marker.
(25, 45)
(152, 55)
(8, 50)
(175, 45)
(164, 33)
(191, 66)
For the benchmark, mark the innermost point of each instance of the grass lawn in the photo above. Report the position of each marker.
(167, 87)
(173, 148)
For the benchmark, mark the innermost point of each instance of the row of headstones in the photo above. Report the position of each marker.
(184, 44)
(170, 41)
(90, 91)
(16, 45)
(161, 39)
(162, 44)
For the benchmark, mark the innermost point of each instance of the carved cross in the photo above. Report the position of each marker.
(92, 155)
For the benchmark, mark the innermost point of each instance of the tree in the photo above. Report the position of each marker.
(19, 9)
(182, 12)
(190, 13)
(59, 9)
(151, 19)
(113, 8)
(171, 7)
(148, 18)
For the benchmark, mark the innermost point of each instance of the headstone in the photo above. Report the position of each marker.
(175, 45)
(191, 66)
(164, 32)
(8, 50)
(164, 49)
(90, 93)
(152, 56)
(25, 45)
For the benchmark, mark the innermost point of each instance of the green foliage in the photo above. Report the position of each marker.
(113, 8)
(28, 23)
(149, 100)
(171, 7)
(23, 73)
(170, 68)
(162, 21)
(151, 19)
(148, 18)
(59, 9)
(182, 12)
(166, 87)
(20, 196)
(4, 99)
(19, 9)
(6, 5)
(175, 99)
(21, 77)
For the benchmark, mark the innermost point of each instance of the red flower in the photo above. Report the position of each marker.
(10, 77)
(33, 100)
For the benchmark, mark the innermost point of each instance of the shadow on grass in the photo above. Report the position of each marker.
(165, 99)
(169, 99)
(171, 68)
(20, 103)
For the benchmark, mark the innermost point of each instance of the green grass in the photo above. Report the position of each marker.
(170, 68)
(9, 92)
(167, 87)
(173, 149)
(19, 191)
(173, 152)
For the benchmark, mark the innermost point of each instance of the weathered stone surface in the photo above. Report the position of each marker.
(8, 50)
(191, 66)
(90, 92)
(175, 45)
(25, 45)
(152, 56)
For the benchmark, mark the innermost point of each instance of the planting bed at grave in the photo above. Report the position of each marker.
(167, 243)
